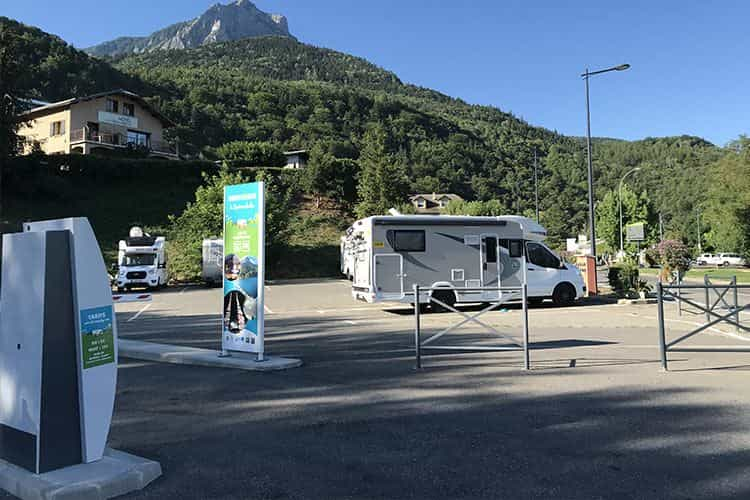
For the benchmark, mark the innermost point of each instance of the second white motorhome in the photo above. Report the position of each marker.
(212, 261)
(142, 261)
(392, 253)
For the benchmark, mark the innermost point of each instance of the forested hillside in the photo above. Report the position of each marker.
(356, 118)
(47, 68)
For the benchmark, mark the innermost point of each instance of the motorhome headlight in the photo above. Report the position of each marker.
(152, 271)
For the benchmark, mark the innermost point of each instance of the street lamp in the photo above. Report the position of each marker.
(592, 231)
(619, 202)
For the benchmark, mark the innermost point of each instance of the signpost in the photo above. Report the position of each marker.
(244, 241)
(635, 232)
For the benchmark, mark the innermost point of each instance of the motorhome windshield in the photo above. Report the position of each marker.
(139, 259)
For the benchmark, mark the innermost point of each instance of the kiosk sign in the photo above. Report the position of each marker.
(244, 239)
(97, 337)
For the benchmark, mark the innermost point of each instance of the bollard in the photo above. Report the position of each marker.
(660, 314)
(417, 341)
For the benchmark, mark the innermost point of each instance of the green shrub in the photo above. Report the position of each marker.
(624, 278)
(203, 218)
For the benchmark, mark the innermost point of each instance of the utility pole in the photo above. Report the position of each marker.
(536, 188)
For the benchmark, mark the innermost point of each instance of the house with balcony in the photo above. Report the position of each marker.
(98, 123)
(432, 204)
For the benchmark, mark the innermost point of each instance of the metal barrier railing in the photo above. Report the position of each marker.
(675, 292)
(504, 294)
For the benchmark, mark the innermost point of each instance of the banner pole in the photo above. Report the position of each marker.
(224, 353)
(261, 269)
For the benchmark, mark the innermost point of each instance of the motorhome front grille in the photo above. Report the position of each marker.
(136, 275)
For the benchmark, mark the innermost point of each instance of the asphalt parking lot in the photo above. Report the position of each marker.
(594, 418)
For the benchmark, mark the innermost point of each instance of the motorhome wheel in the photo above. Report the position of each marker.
(447, 297)
(564, 294)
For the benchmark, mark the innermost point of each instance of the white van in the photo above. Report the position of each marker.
(142, 261)
(392, 253)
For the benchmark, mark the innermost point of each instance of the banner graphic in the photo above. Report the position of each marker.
(244, 239)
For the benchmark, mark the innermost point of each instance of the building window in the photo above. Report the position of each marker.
(128, 109)
(138, 138)
(57, 128)
(112, 106)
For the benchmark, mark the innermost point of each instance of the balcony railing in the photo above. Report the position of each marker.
(121, 140)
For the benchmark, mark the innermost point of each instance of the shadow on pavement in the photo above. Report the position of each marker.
(358, 422)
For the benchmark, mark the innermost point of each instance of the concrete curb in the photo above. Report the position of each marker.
(117, 473)
(181, 355)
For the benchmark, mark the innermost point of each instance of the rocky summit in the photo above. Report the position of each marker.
(220, 23)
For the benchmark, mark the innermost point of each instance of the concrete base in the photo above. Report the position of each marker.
(117, 473)
(181, 355)
(636, 301)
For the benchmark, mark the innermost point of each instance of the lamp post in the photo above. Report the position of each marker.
(592, 230)
(619, 202)
(698, 219)
(536, 189)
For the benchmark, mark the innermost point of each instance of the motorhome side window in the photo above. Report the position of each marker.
(540, 256)
(514, 247)
(407, 240)
(490, 249)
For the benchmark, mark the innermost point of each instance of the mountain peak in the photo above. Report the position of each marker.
(220, 23)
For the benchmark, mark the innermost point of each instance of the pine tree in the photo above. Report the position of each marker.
(383, 182)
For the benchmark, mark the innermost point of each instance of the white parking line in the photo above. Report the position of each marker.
(143, 309)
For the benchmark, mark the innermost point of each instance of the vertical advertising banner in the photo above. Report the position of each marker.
(244, 240)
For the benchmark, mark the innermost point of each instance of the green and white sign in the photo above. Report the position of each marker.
(635, 231)
(244, 240)
(97, 337)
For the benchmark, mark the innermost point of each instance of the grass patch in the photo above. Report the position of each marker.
(313, 250)
(743, 275)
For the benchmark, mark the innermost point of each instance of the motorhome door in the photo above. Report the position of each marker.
(490, 262)
(389, 276)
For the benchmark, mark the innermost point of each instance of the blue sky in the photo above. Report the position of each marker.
(689, 70)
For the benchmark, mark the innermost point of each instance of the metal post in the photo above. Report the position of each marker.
(679, 293)
(707, 282)
(698, 218)
(661, 228)
(592, 230)
(660, 314)
(536, 188)
(417, 341)
(525, 308)
(619, 205)
(736, 306)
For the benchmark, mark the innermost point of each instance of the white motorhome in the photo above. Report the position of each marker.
(392, 253)
(346, 253)
(212, 261)
(142, 261)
